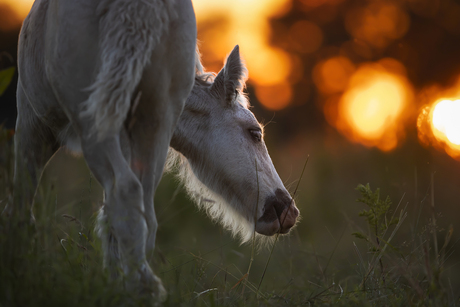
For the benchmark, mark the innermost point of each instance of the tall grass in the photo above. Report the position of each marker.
(58, 261)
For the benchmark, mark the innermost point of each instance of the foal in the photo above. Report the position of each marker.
(120, 98)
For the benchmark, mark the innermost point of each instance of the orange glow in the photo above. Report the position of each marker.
(20, 10)
(372, 109)
(305, 36)
(355, 48)
(377, 24)
(316, 3)
(275, 97)
(332, 76)
(438, 123)
(225, 23)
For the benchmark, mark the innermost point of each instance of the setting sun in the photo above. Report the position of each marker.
(438, 125)
(446, 123)
(438, 122)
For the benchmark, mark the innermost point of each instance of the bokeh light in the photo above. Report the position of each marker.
(332, 75)
(378, 24)
(275, 97)
(373, 108)
(438, 122)
(446, 123)
(305, 36)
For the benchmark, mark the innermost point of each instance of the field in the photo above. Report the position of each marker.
(403, 254)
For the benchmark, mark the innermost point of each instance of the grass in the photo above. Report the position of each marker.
(388, 262)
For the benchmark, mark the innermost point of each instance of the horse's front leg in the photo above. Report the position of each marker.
(154, 120)
(124, 212)
(163, 90)
(150, 137)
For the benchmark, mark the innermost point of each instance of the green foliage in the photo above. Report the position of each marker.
(376, 216)
(411, 284)
(6, 75)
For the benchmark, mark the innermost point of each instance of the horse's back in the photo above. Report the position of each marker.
(33, 79)
(46, 53)
(65, 49)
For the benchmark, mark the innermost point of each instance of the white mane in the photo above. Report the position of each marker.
(214, 205)
(124, 56)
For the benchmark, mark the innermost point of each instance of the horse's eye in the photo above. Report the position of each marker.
(256, 134)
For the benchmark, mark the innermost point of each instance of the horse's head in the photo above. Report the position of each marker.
(224, 148)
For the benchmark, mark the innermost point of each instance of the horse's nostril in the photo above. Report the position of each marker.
(278, 206)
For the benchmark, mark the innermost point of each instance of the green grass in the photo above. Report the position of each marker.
(390, 261)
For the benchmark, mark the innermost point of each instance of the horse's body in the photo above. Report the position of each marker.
(110, 78)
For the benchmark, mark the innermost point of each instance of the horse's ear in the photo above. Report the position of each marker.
(231, 79)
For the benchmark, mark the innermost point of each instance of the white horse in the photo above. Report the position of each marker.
(110, 79)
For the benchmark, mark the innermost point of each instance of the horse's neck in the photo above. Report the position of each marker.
(184, 136)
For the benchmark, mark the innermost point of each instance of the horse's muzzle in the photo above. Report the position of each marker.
(280, 214)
